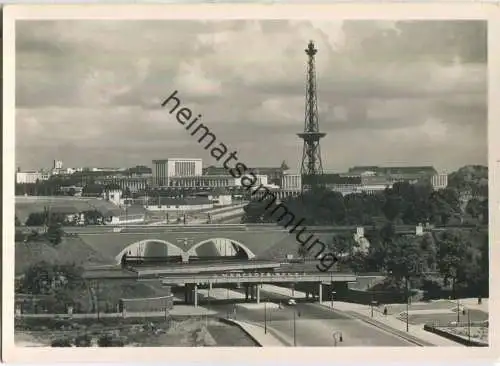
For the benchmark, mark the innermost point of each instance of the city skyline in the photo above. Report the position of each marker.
(424, 99)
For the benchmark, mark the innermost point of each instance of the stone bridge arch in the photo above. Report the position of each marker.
(193, 250)
(151, 248)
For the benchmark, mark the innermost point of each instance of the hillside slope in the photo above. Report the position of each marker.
(70, 250)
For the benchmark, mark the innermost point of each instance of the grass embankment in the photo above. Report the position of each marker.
(70, 251)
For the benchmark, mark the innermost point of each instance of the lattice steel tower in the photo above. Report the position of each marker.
(312, 168)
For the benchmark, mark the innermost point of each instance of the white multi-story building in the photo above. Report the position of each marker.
(439, 181)
(261, 180)
(291, 182)
(203, 181)
(57, 167)
(31, 177)
(164, 169)
(58, 164)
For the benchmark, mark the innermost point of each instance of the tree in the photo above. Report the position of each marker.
(485, 212)
(444, 204)
(392, 207)
(92, 190)
(470, 178)
(257, 212)
(342, 246)
(453, 255)
(474, 208)
(403, 257)
(284, 167)
(36, 219)
(55, 233)
(93, 217)
(62, 285)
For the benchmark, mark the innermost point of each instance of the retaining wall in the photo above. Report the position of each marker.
(454, 337)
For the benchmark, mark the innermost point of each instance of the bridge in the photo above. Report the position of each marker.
(252, 282)
(185, 243)
(252, 274)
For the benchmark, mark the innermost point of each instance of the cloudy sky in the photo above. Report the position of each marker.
(389, 93)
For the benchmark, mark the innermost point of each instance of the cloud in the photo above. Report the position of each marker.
(89, 92)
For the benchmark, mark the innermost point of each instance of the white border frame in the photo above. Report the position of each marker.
(377, 10)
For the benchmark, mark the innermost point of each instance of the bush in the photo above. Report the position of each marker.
(110, 341)
(83, 341)
(61, 343)
(432, 290)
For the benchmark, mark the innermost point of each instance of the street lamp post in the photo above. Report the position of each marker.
(468, 323)
(372, 303)
(335, 335)
(294, 330)
(407, 306)
(457, 299)
(265, 316)
(331, 288)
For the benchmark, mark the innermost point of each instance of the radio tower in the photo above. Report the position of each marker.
(312, 168)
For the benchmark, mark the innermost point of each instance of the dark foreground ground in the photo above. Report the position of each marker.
(189, 332)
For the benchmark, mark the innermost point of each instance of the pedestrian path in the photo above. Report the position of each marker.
(257, 332)
(471, 303)
(178, 310)
(388, 322)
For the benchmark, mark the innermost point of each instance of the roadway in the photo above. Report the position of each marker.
(315, 326)
(236, 227)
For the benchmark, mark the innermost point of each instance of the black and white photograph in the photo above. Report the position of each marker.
(250, 183)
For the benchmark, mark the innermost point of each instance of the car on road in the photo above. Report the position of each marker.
(291, 302)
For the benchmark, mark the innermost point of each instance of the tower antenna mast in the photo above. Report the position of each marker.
(312, 167)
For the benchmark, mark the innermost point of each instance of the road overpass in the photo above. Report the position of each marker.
(251, 281)
(253, 241)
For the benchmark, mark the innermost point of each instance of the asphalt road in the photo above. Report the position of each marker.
(315, 326)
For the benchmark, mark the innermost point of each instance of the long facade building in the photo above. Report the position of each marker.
(31, 177)
(165, 169)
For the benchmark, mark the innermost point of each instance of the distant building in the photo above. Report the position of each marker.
(439, 181)
(31, 177)
(203, 181)
(261, 180)
(107, 169)
(274, 174)
(291, 182)
(58, 165)
(163, 170)
(395, 174)
(181, 204)
(216, 197)
(134, 183)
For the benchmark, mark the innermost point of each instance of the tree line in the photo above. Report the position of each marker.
(404, 203)
(90, 217)
(451, 261)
